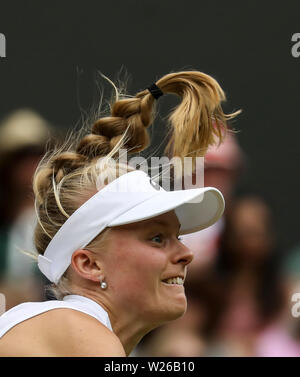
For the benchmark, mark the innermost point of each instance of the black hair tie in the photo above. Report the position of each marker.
(155, 91)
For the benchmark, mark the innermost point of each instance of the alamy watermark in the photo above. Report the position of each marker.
(170, 174)
(2, 303)
(2, 46)
(296, 307)
(295, 51)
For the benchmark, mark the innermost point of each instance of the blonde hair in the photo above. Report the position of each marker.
(66, 178)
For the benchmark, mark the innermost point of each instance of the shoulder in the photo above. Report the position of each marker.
(79, 334)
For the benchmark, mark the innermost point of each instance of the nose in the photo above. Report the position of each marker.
(184, 255)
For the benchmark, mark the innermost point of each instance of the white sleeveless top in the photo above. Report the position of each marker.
(28, 310)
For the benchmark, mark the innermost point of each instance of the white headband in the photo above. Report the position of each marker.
(130, 198)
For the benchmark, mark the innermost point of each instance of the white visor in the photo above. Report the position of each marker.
(130, 198)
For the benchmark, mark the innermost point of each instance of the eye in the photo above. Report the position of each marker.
(157, 238)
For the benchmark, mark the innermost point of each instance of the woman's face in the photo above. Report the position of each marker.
(138, 258)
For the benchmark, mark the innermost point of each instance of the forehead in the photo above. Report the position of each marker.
(167, 220)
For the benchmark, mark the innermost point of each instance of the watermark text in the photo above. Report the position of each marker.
(295, 51)
(296, 306)
(169, 174)
(2, 46)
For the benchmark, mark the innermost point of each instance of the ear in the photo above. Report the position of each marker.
(85, 263)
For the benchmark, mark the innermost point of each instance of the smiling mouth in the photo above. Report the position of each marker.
(176, 281)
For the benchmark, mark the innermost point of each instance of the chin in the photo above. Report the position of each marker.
(166, 310)
(175, 311)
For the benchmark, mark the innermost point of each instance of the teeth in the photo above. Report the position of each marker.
(177, 280)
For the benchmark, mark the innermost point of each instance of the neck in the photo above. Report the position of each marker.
(130, 331)
(129, 328)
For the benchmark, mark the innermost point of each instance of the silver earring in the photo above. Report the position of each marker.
(103, 284)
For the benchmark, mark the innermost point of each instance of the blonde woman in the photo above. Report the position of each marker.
(107, 237)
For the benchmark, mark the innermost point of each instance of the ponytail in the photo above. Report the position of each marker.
(66, 178)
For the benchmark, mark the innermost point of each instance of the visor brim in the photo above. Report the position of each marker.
(196, 209)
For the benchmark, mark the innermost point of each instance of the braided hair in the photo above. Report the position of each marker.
(66, 178)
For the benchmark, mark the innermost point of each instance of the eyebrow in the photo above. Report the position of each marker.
(163, 223)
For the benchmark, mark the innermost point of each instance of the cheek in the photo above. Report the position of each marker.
(136, 268)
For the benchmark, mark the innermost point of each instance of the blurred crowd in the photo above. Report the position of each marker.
(239, 285)
(24, 136)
